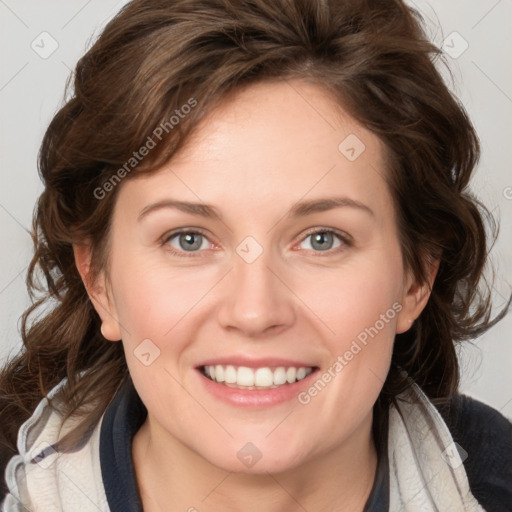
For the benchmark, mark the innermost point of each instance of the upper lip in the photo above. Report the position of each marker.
(255, 363)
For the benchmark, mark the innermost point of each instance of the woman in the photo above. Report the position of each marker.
(258, 237)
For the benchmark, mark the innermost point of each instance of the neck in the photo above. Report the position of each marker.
(170, 472)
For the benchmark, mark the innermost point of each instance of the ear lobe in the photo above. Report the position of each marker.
(97, 290)
(415, 298)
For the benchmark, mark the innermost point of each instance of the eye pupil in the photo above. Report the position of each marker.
(322, 241)
(190, 241)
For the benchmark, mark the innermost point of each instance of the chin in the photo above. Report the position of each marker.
(253, 459)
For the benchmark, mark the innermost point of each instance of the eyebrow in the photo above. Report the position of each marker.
(304, 208)
(300, 209)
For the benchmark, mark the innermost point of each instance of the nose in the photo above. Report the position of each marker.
(257, 301)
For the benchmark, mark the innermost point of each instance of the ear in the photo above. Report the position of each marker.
(98, 292)
(415, 298)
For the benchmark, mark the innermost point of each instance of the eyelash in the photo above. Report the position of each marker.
(345, 239)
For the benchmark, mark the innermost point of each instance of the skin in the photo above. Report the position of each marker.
(254, 158)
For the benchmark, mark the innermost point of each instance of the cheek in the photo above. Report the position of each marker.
(158, 308)
(358, 306)
(152, 298)
(353, 298)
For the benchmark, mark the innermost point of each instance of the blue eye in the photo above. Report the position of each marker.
(192, 242)
(188, 241)
(324, 240)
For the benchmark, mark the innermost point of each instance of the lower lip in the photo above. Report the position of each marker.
(255, 397)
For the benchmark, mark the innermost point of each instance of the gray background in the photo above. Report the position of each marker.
(31, 90)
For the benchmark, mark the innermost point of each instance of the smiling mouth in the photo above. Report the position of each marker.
(242, 377)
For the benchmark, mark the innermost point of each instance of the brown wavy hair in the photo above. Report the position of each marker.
(372, 57)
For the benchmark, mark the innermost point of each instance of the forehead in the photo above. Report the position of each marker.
(271, 144)
(305, 116)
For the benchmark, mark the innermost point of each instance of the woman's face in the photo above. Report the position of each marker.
(265, 251)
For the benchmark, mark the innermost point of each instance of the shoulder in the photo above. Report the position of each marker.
(42, 475)
(485, 435)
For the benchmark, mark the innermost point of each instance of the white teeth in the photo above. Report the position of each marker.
(301, 373)
(229, 375)
(256, 378)
(245, 376)
(263, 377)
(279, 376)
(291, 375)
(219, 373)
